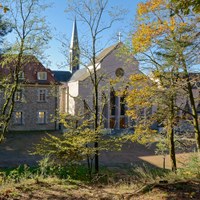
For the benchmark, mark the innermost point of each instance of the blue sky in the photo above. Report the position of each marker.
(61, 24)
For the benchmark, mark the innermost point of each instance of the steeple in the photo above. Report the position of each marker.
(74, 49)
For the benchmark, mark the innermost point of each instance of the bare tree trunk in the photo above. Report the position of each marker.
(193, 106)
(10, 103)
(96, 107)
(170, 134)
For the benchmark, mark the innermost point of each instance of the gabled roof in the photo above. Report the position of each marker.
(82, 74)
(62, 76)
(30, 66)
(106, 52)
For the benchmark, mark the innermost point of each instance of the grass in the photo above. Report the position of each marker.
(55, 188)
(72, 182)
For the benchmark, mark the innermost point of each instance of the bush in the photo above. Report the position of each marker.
(191, 169)
(147, 173)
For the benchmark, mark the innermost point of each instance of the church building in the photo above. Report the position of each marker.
(113, 71)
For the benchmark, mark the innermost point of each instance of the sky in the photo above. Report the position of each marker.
(61, 26)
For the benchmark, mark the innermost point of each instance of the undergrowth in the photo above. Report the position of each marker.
(137, 174)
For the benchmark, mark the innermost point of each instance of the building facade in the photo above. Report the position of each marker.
(36, 99)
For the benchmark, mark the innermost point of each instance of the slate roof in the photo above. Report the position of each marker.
(106, 52)
(30, 67)
(82, 74)
(62, 76)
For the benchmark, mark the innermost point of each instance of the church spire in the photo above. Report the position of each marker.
(74, 49)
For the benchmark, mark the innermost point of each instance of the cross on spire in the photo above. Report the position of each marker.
(119, 36)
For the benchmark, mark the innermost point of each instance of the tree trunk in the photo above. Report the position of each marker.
(170, 133)
(96, 107)
(193, 106)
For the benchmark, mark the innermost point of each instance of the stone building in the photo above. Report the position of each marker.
(77, 91)
(36, 99)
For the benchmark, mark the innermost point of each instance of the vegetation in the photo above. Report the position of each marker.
(186, 6)
(91, 13)
(69, 182)
(76, 144)
(30, 32)
(166, 44)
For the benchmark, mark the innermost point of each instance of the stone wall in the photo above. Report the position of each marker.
(30, 106)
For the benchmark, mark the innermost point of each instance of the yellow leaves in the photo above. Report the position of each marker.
(183, 24)
(149, 6)
(172, 24)
(143, 37)
(140, 95)
(138, 77)
(148, 34)
(154, 24)
(143, 134)
(5, 9)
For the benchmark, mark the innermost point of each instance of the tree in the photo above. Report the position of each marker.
(5, 28)
(92, 14)
(31, 35)
(167, 44)
(4, 8)
(142, 98)
(185, 6)
(75, 145)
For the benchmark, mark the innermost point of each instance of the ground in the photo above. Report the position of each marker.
(60, 190)
(16, 149)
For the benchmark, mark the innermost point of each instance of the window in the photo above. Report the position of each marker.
(198, 108)
(41, 117)
(21, 75)
(122, 106)
(18, 117)
(18, 95)
(112, 101)
(42, 76)
(119, 72)
(42, 95)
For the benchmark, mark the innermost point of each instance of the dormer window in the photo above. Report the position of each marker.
(42, 76)
(21, 75)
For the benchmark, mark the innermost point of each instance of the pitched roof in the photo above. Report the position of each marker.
(80, 75)
(62, 76)
(84, 73)
(106, 52)
(30, 66)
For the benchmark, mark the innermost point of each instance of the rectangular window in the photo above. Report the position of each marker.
(18, 117)
(42, 76)
(42, 95)
(18, 95)
(21, 75)
(41, 117)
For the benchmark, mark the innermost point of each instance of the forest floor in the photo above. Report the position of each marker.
(52, 189)
(15, 150)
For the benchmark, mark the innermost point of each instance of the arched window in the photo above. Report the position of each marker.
(122, 105)
(112, 101)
